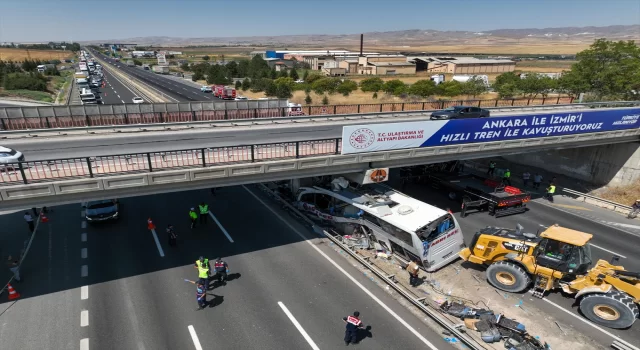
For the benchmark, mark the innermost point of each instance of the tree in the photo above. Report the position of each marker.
(474, 86)
(533, 84)
(308, 100)
(197, 76)
(258, 68)
(325, 100)
(270, 88)
(274, 73)
(610, 69)
(238, 84)
(375, 96)
(205, 58)
(329, 85)
(450, 88)
(283, 73)
(371, 85)
(572, 83)
(243, 68)
(137, 62)
(305, 75)
(347, 87)
(394, 86)
(506, 78)
(312, 77)
(423, 88)
(246, 84)
(508, 90)
(185, 67)
(232, 69)
(283, 89)
(293, 74)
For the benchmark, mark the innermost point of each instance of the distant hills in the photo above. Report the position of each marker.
(412, 37)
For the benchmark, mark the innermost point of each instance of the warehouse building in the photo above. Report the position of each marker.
(385, 65)
(461, 65)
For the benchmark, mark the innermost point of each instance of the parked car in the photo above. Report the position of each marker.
(241, 98)
(205, 88)
(460, 112)
(10, 155)
(102, 210)
(138, 100)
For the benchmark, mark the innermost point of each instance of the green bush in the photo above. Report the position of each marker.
(25, 81)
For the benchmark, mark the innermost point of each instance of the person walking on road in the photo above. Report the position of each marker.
(204, 212)
(29, 219)
(14, 267)
(525, 178)
(506, 178)
(414, 270)
(222, 269)
(201, 296)
(537, 180)
(203, 267)
(351, 332)
(492, 168)
(172, 235)
(193, 217)
(550, 191)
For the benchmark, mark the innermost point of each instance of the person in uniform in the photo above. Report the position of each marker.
(351, 332)
(222, 269)
(193, 217)
(201, 296)
(204, 212)
(203, 267)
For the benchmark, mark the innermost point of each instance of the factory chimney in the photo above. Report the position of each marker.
(361, 43)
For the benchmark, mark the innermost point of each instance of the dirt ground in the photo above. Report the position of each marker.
(7, 54)
(619, 194)
(549, 48)
(460, 282)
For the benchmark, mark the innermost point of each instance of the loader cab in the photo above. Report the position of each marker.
(564, 250)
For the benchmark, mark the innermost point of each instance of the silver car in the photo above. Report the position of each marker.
(9, 155)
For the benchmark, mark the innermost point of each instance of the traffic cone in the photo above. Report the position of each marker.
(44, 218)
(150, 225)
(12, 293)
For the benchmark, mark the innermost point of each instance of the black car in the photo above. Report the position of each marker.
(102, 210)
(460, 112)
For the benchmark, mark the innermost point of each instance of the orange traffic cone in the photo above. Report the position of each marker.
(44, 218)
(150, 224)
(12, 293)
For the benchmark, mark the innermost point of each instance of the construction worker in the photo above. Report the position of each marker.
(550, 191)
(492, 168)
(506, 178)
(203, 267)
(414, 270)
(204, 212)
(222, 269)
(351, 332)
(193, 217)
(201, 296)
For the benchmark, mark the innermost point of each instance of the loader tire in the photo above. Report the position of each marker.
(508, 276)
(613, 310)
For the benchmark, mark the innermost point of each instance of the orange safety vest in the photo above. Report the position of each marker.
(354, 321)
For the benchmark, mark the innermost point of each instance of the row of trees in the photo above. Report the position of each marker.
(24, 75)
(49, 46)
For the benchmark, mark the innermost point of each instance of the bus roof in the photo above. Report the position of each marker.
(397, 213)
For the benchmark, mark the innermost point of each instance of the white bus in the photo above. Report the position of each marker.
(408, 227)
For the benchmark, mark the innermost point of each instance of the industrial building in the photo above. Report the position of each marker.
(300, 55)
(462, 65)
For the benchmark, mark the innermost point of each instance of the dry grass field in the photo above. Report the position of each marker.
(7, 54)
(507, 49)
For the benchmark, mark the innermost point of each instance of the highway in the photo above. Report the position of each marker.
(607, 241)
(106, 142)
(177, 91)
(114, 286)
(115, 92)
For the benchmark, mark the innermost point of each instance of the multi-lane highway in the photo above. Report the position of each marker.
(115, 91)
(174, 89)
(115, 285)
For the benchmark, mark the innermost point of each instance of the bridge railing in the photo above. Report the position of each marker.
(89, 167)
(53, 117)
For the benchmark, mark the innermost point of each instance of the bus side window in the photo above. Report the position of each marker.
(396, 232)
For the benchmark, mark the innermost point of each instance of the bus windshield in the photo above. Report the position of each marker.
(434, 229)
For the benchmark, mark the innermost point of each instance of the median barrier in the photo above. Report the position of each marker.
(76, 186)
(26, 191)
(163, 177)
(123, 181)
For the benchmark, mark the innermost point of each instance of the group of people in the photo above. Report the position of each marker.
(203, 213)
(526, 177)
(220, 273)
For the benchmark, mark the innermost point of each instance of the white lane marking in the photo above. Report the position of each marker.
(194, 337)
(119, 96)
(607, 250)
(84, 344)
(122, 101)
(636, 227)
(83, 237)
(84, 271)
(221, 227)
(83, 253)
(582, 319)
(84, 318)
(114, 90)
(363, 288)
(155, 238)
(83, 224)
(82, 213)
(298, 326)
(84, 292)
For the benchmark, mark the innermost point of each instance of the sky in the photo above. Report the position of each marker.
(73, 20)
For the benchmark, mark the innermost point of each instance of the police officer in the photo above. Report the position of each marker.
(193, 217)
(203, 267)
(351, 332)
(204, 212)
(222, 269)
(201, 296)
(550, 191)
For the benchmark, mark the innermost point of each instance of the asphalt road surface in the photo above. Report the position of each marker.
(114, 286)
(179, 92)
(607, 241)
(115, 92)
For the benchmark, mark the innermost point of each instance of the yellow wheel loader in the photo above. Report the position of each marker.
(558, 257)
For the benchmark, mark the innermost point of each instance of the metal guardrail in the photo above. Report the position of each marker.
(389, 280)
(138, 116)
(585, 196)
(622, 345)
(27, 172)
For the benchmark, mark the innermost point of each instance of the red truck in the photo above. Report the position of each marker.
(224, 92)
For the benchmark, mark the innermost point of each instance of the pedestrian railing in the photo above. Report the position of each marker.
(53, 117)
(99, 166)
(586, 196)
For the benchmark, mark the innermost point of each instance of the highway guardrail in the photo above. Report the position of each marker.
(188, 114)
(586, 197)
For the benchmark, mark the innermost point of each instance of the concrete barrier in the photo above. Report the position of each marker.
(27, 191)
(120, 181)
(76, 186)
